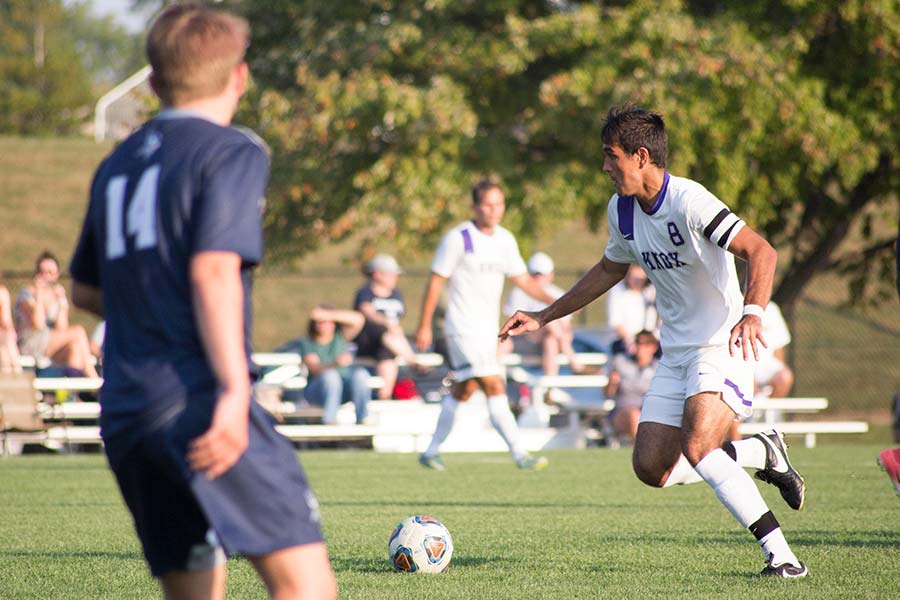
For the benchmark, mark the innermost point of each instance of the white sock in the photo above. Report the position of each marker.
(775, 545)
(505, 423)
(444, 425)
(733, 486)
(737, 491)
(750, 452)
(682, 473)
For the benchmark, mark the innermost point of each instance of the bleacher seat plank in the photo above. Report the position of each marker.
(323, 433)
(809, 429)
(81, 434)
(790, 404)
(570, 381)
(71, 384)
(70, 411)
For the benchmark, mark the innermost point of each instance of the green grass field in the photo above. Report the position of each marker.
(584, 528)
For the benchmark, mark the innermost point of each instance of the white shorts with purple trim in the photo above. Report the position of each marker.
(473, 356)
(709, 369)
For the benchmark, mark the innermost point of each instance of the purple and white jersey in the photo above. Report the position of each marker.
(476, 265)
(682, 246)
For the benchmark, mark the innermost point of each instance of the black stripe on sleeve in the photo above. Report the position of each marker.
(715, 222)
(724, 239)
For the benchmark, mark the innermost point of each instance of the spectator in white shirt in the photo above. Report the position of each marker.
(632, 308)
(771, 375)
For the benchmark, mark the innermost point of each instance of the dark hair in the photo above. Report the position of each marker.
(45, 255)
(480, 189)
(646, 333)
(631, 128)
(311, 324)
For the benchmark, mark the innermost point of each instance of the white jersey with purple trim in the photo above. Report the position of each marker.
(476, 265)
(682, 245)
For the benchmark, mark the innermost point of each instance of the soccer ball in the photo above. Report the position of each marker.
(420, 544)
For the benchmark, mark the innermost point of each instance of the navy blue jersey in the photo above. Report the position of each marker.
(179, 186)
(392, 306)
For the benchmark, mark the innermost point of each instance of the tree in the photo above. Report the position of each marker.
(43, 86)
(108, 52)
(381, 114)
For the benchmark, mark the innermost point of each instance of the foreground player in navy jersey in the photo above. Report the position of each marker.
(685, 239)
(171, 236)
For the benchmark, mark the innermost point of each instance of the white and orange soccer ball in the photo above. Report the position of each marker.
(420, 544)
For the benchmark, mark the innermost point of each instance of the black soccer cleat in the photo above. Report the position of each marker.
(785, 570)
(789, 482)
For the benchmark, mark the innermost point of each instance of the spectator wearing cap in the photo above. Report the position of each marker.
(555, 337)
(381, 337)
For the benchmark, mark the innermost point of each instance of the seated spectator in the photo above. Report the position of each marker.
(772, 376)
(9, 351)
(629, 379)
(632, 308)
(381, 337)
(42, 320)
(555, 337)
(332, 379)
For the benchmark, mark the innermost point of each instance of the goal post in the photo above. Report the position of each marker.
(100, 109)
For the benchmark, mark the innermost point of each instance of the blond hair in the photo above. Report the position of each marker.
(192, 50)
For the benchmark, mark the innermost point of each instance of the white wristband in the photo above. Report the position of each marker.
(754, 309)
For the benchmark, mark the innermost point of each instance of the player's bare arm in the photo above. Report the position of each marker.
(218, 302)
(87, 297)
(761, 259)
(429, 304)
(591, 286)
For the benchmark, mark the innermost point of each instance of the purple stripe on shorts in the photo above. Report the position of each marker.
(467, 241)
(737, 391)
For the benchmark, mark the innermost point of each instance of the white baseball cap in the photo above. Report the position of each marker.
(384, 263)
(540, 263)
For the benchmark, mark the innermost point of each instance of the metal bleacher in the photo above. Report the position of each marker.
(406, 424)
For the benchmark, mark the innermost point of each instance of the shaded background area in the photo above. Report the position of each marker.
(849, 355)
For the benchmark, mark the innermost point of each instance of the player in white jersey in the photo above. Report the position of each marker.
(685, 238)
(474, 258)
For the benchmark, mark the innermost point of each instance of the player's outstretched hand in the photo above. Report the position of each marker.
(745, 335)
(521, 322)
(224, 442)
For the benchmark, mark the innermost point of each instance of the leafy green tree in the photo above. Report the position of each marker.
(383, 112)
(43, 85)
(108, 52)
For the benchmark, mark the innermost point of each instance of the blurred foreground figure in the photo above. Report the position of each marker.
(166, 253)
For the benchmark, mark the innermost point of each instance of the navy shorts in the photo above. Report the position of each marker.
(368, 342)
(261, 505)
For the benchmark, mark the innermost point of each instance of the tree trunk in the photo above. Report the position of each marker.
(803, 268)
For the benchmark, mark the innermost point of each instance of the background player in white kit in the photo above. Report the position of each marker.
(679, 233)
(475, 257)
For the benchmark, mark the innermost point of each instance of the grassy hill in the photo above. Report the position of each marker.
(850, 356)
